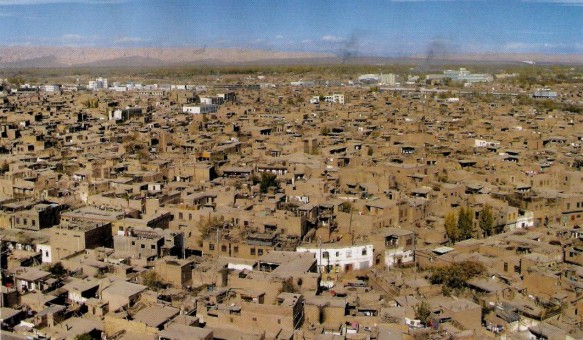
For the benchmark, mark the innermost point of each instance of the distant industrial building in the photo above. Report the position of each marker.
(544, 93)
(51, 88)
(389, 79)
(462, 75)
(369, 78)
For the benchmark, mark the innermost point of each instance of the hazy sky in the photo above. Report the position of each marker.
(364, 27)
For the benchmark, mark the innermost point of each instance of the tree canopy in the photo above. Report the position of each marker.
(268, 180)
(455, 276)
(422, 312)
(451, 227)
(487, 220)
(465, 223)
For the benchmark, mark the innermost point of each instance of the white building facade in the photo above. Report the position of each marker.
(335, 258)
(482, 143)
(200, 109)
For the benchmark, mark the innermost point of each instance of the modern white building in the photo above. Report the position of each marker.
(303, 83)
(200, 109)
(98, 84)
(335, 98)
(103, 83)
(389, 79)
(212, 100)
(119, 88)
(334, 258)
(466, 76)
(51, 88)
(544, 93)
(482, 143)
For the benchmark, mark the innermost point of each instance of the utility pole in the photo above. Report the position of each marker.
(217, 242)
(415, 250)
(320, 246)
(350, 226)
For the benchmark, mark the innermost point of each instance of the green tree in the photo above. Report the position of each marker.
(151, 279)
(57, 269)
(23, 238)
(455, 276)
(4, 168)
(84, 336)
(487, 220)
(208, 225)
(16, 81)
(345, 207)
(422, 312)
(288, 286)
(268, 180)
(325, 131)
(451, 227)
(464, 223)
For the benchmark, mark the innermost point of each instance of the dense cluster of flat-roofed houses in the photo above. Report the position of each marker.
(253, 208)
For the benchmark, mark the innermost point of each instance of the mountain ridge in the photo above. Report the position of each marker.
(51, 56)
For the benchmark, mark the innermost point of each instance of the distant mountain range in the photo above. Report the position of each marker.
(28, 57)
(19, 57)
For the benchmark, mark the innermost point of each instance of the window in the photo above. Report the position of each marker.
(142, 246)
(180, 216)
(252, 251)
(33, 222)
(364, 251)
(325, 255)
(348, 254)
(505, 266)
(224, 248)
(259, 252)
(153, 246)
(190, 217)
(211, 246)
(25, 221)
(133, 243)
(236, 249)
(337, 254)
(120, 228)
